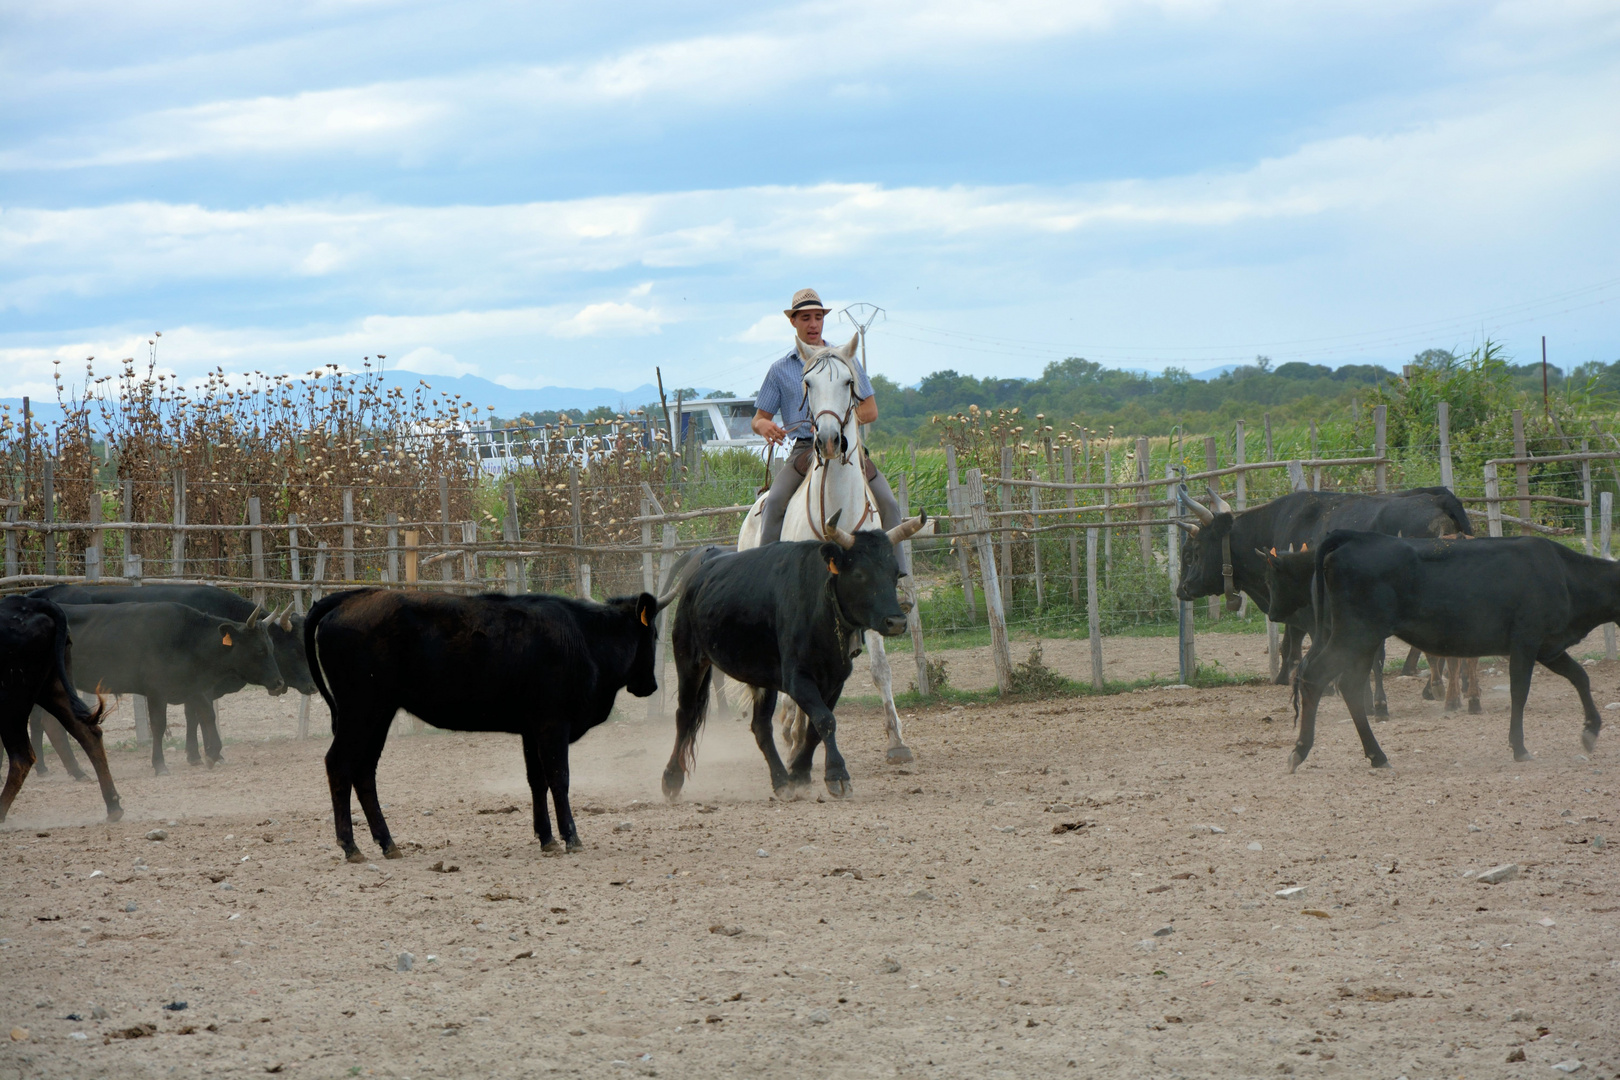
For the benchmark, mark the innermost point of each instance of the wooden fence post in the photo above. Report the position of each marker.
(179, 557)
(1074, 540)
(49, 513)
(127, 513)
(472, 572)
(954, 504)
(1493, 501)
(648, 584)
(913, 611)
(1144, 533)
(1240, 498)
(1586, 494)
(1296, 475)
(256, 548)
(581, 574)
(1445, 446)
(348, 535)
(93, 553)
(1605, 533)
(1093, 613)
(1381, 470)
(446, 568)
(1108, 515)
(319, 577)
(12, 560)
(1005, 570)
(512, 533)
(1316, 455)
(1035, 545)
(412, 555)
(1185, 662)
(1211, 463)
(143, 720)
(391, 541)
(1521, 472)
(295, 565)
(992, 590)
(666, 563)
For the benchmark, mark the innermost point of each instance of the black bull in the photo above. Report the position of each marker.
(286, 632)
(1525, 598)
(785, 618)
(546, 668)
(36, 669)
(1223, 539)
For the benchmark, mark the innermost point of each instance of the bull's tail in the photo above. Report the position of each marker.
(312, 623)
(689, 721)
(62, 654)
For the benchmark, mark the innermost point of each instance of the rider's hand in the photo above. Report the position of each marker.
(772, 432)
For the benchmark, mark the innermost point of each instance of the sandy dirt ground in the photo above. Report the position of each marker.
(933, 926)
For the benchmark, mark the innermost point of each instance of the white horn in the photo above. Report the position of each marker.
(1221, 506)
(832, 532)
(906, 529)
(1200, 511)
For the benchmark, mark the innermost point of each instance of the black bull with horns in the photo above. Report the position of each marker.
(785, 618)
(1223, 554)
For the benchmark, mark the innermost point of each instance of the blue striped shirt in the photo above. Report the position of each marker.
(783, 392)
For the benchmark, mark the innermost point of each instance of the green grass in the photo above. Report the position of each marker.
(1209, 676)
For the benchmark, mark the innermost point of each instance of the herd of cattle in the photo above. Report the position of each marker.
(1348, 570)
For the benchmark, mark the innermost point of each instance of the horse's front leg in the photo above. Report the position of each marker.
(883, 678)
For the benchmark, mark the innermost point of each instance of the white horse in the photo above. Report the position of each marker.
(833, 490)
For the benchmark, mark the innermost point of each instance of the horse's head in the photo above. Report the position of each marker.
(829, 391)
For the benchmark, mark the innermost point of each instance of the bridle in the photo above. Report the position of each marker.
(850, 448)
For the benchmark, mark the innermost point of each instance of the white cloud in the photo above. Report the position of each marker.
(767, 330)
(426, 360)
(610, 319)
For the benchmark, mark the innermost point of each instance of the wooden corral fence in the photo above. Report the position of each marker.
(609, 536)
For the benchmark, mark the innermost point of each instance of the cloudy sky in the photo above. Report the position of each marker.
(571, 193)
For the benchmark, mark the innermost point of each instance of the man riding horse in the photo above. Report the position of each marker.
(783, 392)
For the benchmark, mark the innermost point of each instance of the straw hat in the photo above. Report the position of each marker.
(805, 300)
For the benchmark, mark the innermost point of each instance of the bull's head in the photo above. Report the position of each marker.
(643, 611)
(1201, 551)
(250, 653)
(829, 394)
(866, 574)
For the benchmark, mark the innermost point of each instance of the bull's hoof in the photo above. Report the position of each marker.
(80, 777)
(193, 760)
(1523, 755)
(1381, 711)
(160, 769)
(840, 789)
(392, 852)
(575, 844)
(552, 847)
(355, 855)
(1383, 764)
(899, 755)
(1295, 760)
(1589, 739)
(1474, 707)
(1282, 679)
(115, 813)
(1453, 706)
(1428, 692)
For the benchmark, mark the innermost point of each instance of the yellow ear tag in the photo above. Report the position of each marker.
(227, 639)
(644, 620)
(832, 566)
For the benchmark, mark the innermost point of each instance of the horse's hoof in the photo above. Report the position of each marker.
(840, 789)
(899, 755)
(786, 793)
(1381, 712)
(1295, 760)
(552, 847)
(116, 813)
(1428, 694)
(673, 782)
(1589, 740)
(392, 852)
(1474, 708)
(160, 770)
(1523, 755)
(81, 777)
(1383, 765)
(356, 856)
(575, 844)
(193, 761)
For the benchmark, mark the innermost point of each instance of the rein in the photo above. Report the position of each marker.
(851, 447)
(1233, 600)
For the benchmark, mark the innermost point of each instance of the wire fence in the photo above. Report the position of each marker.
(1056, 537)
